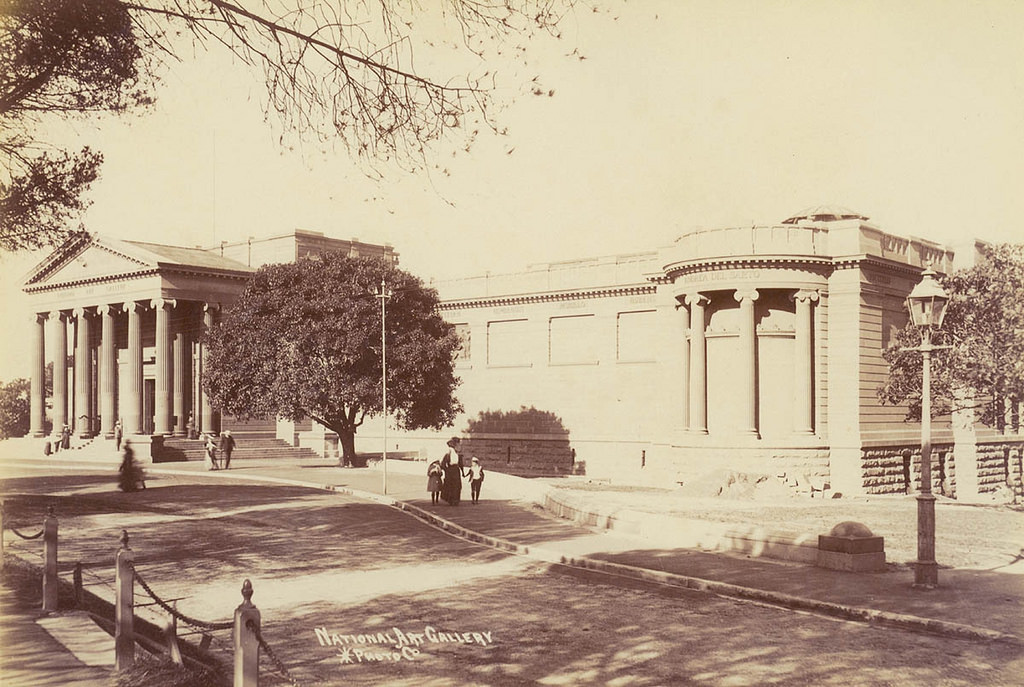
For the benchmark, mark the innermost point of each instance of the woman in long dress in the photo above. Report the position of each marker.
(451, 466)
(211, 453)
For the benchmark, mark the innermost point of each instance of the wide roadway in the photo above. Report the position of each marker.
(353, 592)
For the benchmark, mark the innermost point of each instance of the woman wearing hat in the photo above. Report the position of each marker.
(451, 466)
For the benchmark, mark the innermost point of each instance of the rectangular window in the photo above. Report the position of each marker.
(573, 340)
(462, 331)
(508, 344)
(636, 336)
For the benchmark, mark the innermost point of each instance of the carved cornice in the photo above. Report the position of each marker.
(149, 272)
(528, 299)
(807, 263)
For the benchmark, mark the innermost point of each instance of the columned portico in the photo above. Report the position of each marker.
(207, 420)
(163, 420)
(132, 411)
(60, 375)
(83, 375)
(37, 381)
(182, 373)
(108, 370)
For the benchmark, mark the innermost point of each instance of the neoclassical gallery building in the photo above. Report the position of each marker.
(756, 349)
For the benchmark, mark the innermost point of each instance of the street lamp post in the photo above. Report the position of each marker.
(384, 294)
(927, 305)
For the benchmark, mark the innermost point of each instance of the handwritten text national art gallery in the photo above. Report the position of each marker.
(394, 645)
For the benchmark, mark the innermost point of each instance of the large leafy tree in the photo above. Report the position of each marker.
(334, 70)
(14, 408)
(304, 340)
(984, 327)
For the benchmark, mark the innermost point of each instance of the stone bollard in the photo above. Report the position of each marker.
(50, 561)
(246, 640)
(124, 610)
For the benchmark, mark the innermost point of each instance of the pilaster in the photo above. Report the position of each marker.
(747, 362)
(698, 365)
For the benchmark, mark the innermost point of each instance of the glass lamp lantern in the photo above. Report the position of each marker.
(927, 302)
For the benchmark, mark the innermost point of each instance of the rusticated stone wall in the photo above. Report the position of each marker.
(999, 464)
(897, 469)
(523, 455)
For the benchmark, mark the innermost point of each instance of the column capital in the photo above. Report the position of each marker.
(133, 306)
(107, 309)
(745, 294)
(59, 316)
(40, 317)
(810, 295)
(211, 307)
(161, 303)
(81, 312)
(692, 299)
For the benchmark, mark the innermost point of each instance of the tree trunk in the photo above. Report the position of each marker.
(348, 448)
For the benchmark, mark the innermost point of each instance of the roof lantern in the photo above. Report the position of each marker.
(824, 213)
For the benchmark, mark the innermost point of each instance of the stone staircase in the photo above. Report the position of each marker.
(176, 449)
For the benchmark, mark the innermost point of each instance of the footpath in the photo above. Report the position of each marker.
(976, 604)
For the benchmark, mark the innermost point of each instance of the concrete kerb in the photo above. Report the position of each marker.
(841, 611)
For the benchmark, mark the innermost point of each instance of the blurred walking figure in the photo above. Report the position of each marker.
(434, 482)
(211, 452)
(227, 445)
(476, 478)
(131, 475)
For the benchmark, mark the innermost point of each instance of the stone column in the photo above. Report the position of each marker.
(746, 362)
(60, 370)
(132, 410)
(698, 365)
(108, 370)
(209, 311)
(182, 374)
(83, 375)
(164, 366)
(803, 357)
(37, 417)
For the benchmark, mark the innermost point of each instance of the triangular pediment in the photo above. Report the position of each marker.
(88, 258)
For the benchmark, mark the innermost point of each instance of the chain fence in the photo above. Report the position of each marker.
(27, 536)
(198, 624)
(251, 625)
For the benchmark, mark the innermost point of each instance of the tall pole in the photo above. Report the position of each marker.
(384, 296)
(926, 570)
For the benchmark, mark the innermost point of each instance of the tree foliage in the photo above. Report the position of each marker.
(58, 57)
(14, 408)
(984, 325)
(338, 71)
(304, 340)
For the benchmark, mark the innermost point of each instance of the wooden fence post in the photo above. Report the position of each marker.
(246, 640)
(50, 560)
(77, 577)
(124, 611)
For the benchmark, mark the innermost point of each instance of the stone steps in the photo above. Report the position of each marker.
(176, 449)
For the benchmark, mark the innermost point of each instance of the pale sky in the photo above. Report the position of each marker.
(683, 114)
